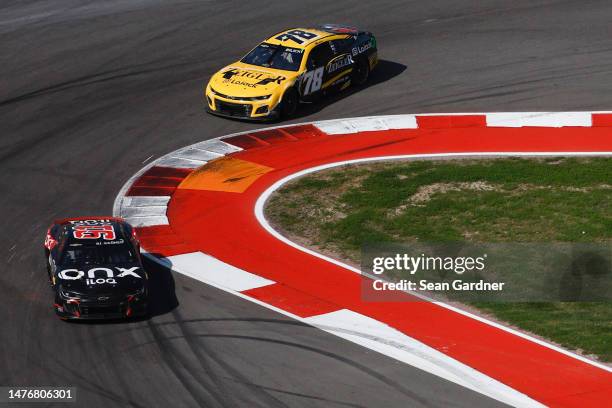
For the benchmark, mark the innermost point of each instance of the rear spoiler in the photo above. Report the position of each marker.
(340, 29)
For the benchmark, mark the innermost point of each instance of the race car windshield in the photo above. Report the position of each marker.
(97, 254)
(275, 56)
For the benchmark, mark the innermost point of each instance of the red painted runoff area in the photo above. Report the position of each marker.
(223, 225)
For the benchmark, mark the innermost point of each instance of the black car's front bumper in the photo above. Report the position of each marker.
(100, 307)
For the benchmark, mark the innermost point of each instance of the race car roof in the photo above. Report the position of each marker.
(91, 231)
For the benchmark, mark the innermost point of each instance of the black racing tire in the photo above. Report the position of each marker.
(361, 72)
(289, 103)
(48, 268)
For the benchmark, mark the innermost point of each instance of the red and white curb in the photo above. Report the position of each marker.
(150, 211)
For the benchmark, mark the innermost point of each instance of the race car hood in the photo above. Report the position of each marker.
(243, 80)
(94, 279)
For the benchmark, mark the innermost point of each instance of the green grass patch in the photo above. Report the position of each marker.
(503, 200)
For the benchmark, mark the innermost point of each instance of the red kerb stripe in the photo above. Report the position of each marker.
(602, 119)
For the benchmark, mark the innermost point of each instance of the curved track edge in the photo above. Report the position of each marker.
(345, 323)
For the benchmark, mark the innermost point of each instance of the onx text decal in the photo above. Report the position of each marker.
(99, 275)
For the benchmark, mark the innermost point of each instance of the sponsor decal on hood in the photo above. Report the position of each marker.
(249, 78)
(99, 275)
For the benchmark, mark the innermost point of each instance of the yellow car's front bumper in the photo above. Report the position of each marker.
(241, 108)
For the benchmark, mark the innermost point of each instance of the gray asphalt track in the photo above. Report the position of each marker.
(89, 90)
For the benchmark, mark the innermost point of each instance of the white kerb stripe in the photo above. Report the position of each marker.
(179, 162)
(367, 124)
(543, 119)
(147, 221)
(400, 121)
(502, 119)
(145, 201)
(207, 269)
(193, 153)
(336, 127)
(139, 212)
(144, 210)
(217, 146)
(384, 339)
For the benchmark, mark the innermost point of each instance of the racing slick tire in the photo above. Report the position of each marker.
(49, 274)
(361, 72)
(289, 103)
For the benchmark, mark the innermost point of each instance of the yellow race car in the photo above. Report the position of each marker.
(295, 65)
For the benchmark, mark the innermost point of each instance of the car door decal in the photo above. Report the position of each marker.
(312, 81)
(339, 62)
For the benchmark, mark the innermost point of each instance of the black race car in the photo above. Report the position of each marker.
(95, 269)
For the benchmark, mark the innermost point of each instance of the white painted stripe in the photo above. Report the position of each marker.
(495, 119)
(368, 124)
(336, 127)
(259, 214)
(138, 212)
(207, 269)
(148, 221)
(179, 163)
(544, 119)
(217, 146)
(193, 153)
(384, 339)
(145, 201)
(400, 121)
